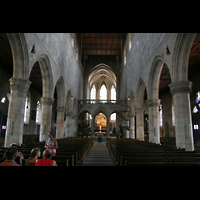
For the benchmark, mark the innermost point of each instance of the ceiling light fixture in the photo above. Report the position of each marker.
(167, 51)
(33, 49)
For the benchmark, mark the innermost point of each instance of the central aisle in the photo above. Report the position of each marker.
(98, 156)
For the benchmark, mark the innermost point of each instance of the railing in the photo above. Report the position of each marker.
(98, 101)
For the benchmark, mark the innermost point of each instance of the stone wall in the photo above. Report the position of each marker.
(60, 66)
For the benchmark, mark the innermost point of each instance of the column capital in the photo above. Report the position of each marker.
(19, 84)
(153, 103)
(47, 101)
(180, 87)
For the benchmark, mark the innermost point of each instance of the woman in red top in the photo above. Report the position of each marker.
(46, 161)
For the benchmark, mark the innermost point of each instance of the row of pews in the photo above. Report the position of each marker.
(70, 152)
(130, 152)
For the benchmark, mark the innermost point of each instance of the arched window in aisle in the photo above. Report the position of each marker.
(38, 113)
(27, 109)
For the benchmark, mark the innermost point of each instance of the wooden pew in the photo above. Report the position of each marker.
(70, 152)
(129, 152)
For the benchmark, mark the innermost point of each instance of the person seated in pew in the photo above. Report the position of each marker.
(10, 154)
(20, 158)
(35, 153)
(46, 161)
(51, 143)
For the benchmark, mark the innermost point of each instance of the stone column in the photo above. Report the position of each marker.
(154, 119)
(108, 127)
(60, 121)
(132, 126)
(46, 113)
(140, 123)
(109, 92)
(183, 121)
(92, 126)
(68, 124)
(97, 91)
(73, 126)
(117, 123)
(15, 120)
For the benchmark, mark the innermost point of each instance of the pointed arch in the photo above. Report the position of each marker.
(60, 87)
(100, 110)
(181, 56)
(140, 93)
(47, 75)
(132, 101)
(101, 71)
(20, 55)
(154, 77)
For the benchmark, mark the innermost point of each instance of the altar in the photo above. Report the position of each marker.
(100, 136)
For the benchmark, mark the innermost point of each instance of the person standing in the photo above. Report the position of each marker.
(51, 143)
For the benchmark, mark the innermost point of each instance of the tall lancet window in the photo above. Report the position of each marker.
(103, 93)
(38, 113)
(161, 115)
(26, 111)
(93, 93)
(113, 93)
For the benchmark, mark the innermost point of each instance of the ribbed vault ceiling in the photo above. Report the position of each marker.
(101, 72)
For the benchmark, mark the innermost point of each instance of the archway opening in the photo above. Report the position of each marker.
(84, 123)
(54, 115)
(6, 72)
(166, 104)
(115, 124)
(32, 111)
(194, 77)
(100, 123)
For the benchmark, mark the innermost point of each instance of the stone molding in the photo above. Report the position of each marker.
(180, 87)
(47, 101)
(153, 103)
(19, 84)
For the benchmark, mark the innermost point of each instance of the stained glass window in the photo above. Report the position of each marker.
(198, 97)
(161, 115)
(195, 110)
(3, 100)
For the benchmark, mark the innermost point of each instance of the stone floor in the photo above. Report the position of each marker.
(98, 156)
